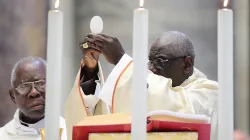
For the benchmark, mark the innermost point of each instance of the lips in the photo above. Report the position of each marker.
(37, 106)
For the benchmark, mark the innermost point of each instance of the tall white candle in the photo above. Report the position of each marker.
(54, 73)
(225, 73)
(139, 84)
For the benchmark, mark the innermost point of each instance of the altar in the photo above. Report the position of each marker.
(159, 127)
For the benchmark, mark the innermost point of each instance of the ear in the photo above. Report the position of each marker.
(12, 95)
(189, 63)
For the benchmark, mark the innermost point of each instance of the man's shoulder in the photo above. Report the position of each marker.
(6, 127)
(204, 85)
(201, 79)
(1, 130)
(208, 82)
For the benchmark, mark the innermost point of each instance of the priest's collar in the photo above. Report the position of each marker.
(16, 126)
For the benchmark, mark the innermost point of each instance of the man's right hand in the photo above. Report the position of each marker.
(90, 55)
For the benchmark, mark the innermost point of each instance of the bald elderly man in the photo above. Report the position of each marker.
(173, 82)
(27, 91)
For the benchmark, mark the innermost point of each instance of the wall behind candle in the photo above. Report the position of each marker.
(22, 33)
(241, 38)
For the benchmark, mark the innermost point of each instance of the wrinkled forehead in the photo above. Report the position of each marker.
(30, 71)
(158, 49)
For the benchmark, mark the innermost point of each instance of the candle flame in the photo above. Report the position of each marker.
(141, 3)
(225, 3)
(57, 4)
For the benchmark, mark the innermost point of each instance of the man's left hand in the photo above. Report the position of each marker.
(109, 46)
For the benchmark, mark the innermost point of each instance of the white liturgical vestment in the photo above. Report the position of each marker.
(196, 95)
(79, 105)
(14, 130)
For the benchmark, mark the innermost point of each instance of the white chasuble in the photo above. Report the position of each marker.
(78, 105)
(196, 95)
(19, 130)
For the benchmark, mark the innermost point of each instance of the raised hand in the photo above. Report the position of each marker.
(109, 46)
(90, 55)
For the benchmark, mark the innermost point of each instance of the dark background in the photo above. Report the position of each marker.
(22, 33)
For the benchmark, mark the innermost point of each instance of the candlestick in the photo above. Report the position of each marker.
(225, 73)
(139, 83)
(54, 73)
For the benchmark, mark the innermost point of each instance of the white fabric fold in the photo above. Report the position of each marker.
(16, 130)
(108, 88)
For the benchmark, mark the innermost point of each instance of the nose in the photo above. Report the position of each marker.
(34, 93)
(152, 68)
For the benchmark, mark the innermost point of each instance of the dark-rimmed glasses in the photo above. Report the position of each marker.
(26, 87)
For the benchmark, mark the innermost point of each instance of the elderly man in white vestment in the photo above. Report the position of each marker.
(173, 82)
(28, 93)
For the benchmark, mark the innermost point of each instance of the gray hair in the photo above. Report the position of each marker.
(21, 61)
(178, 44)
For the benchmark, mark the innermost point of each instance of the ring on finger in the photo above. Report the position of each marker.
(85, 46)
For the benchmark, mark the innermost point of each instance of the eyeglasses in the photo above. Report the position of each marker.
(26, 87)
(159, 63)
